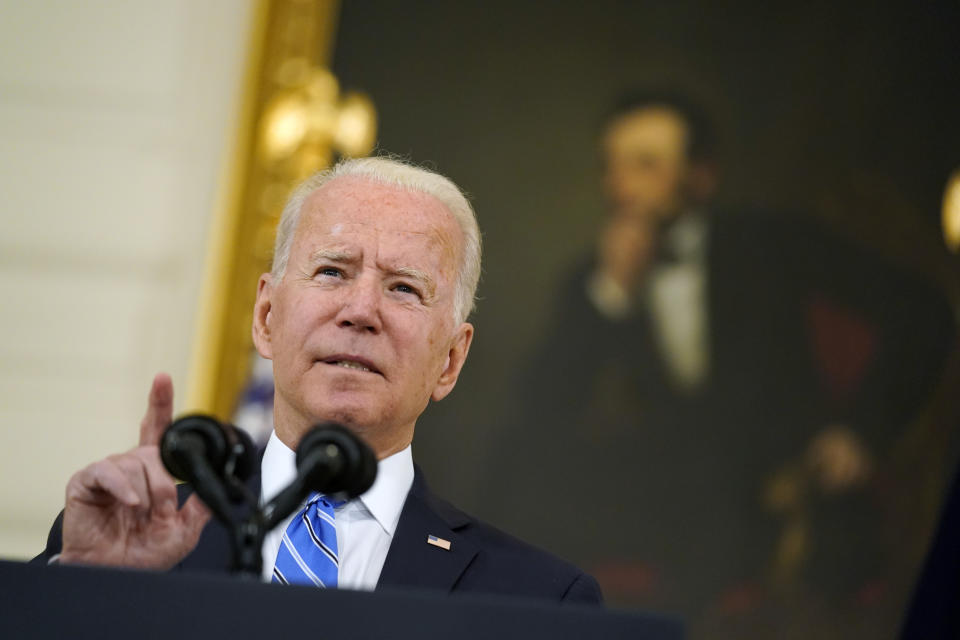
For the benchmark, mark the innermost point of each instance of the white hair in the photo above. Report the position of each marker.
(394, 172)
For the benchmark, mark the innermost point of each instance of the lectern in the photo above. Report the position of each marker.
(85, 602)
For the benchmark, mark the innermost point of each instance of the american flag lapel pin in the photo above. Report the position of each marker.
(439, 542)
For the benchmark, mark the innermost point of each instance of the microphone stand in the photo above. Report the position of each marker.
(248, 533)
(324, 455)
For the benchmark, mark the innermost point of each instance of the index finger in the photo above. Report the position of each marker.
(159, 410)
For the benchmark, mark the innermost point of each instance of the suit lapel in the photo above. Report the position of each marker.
(412, 561)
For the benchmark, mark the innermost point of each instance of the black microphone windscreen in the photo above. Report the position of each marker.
(334, 460)
(199, 433)
(244, 456)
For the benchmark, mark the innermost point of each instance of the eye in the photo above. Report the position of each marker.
(331, 272)
(402, 287)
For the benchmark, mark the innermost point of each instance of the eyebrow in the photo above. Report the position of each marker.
(417, 274)
(338, 255)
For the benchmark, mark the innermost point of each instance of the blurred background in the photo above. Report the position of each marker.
(117, 122)
(716, 360)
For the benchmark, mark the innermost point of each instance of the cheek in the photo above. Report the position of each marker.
(439, 341)
(426, 361)
(293, 322)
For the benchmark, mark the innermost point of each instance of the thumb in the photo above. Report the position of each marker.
(159, 410)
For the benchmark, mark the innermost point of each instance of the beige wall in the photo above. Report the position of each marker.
(115, 118)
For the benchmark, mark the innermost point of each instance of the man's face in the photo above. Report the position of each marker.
(361, 327)
(645, 163)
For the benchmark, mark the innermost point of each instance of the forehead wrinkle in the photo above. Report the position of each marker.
(339, 208)
(334, 255)
(341, 255)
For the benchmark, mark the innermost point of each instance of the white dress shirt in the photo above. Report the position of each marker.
(365, 525)
(677, 299)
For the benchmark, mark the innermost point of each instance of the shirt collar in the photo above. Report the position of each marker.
(686, 237)
(384, 500)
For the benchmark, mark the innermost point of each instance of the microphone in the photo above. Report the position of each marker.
(333, 461)
(211, 457)
(330, 460)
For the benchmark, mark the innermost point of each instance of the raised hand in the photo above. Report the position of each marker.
(123, 510)
(626, 247)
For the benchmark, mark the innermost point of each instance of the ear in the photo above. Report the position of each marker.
(262, 317)
(457, 355)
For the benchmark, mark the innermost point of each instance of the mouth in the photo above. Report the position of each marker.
(351, 362)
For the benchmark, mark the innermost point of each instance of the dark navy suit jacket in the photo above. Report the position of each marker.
(481, 559)
(935, 609)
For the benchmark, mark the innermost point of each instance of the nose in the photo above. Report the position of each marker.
(360, 309)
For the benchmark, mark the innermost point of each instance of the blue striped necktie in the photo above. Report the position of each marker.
(308, 551)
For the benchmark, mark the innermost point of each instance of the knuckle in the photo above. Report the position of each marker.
(114, 458)
(148, 454)
(128, 463)
(79, 479)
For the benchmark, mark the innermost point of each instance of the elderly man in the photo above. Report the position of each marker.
(364, 317)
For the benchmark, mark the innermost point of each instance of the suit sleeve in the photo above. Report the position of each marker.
(583, 590)
(54, 542)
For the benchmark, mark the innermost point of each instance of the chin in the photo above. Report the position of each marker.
(347, 418)
(350, 414)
